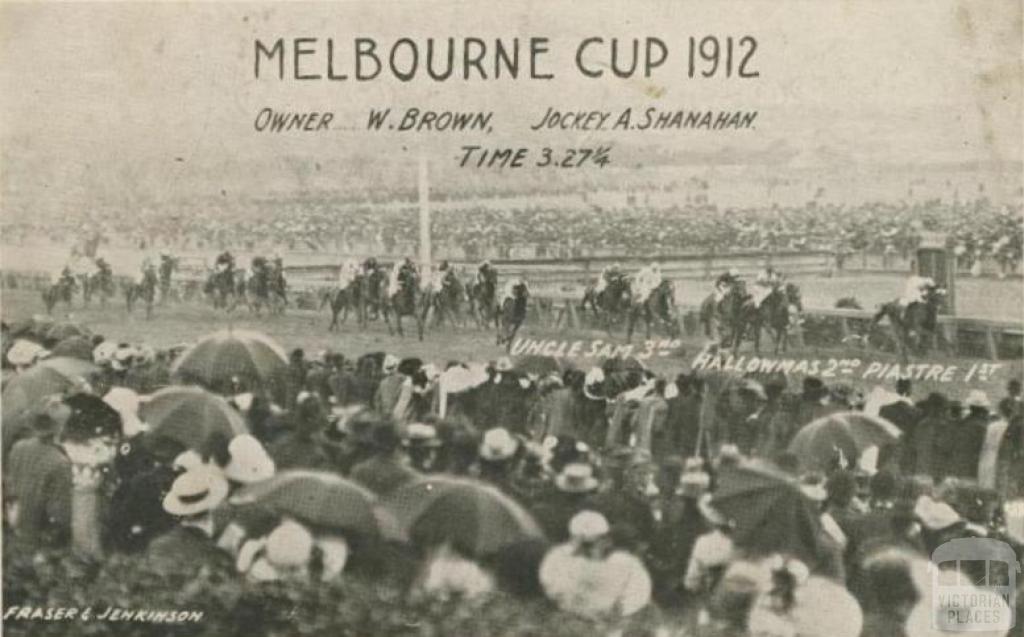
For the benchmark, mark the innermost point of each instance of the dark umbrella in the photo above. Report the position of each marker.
(63, 331)
(24, 392)
(50, 376)
(820, 441)
(538, 365)
(473, 516)
(770, 512)
(78, 347)
(190, 416)
(320, 498)
(217, 360)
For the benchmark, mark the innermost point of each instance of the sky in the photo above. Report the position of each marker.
(159, 99)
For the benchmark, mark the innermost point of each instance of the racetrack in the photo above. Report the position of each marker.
(308, 330)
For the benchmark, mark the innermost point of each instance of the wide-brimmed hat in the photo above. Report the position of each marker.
(498, 444)
(126, 403)
(104, 352)
(693, 484)
(576, 477)
(935, 515)
(199, 490)
(503, 364)
(249, 461)
(977, 398)
(588, 526)
(25, 353)
(390, 363)
(421, 435)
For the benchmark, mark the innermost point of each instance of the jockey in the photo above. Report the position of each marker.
(609, 273)
(724, 283)
(767, 281)
(225, 262)
(407, 271)
(148, 270)
(647, 280)
(347, 273)
(508, 292)
(447, 274)
(64, 275)
(370, 265)
(102, 267)
(486, 273)
(915, 289)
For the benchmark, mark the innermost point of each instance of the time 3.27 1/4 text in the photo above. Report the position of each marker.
(471, 156)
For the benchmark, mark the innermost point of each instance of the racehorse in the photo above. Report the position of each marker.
(660, 306)
(370, 294)
(611, 305)
(512, 314)
(406, 300)
(168, 266)
(62, 290)
(220, 287)
(277, 288)
(915, 325)
(725, 321)
(144, 291)
(447, 302)
(778, 312)
(341, 300)
(99, 283)
(256, 289)
(483, 302)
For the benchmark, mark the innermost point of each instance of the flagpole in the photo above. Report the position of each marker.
(424, 196)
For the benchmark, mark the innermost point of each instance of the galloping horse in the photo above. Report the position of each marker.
(404, 301)
(483, 302)
(610, 305)
(725, 321)
(777, 312)
(447, 301)
(99, 283)
(512, 314)
(144, 291)
(62, 290)
(660, 306)
(915, 325)
(341, 300)
(220, 286)
(370, 294)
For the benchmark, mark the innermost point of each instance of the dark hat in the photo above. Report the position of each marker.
(409, 366)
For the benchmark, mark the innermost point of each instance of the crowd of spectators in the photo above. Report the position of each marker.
(559, 225)
(631, 478)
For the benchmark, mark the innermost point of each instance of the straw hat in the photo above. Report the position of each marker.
(978, 398)
(504, 364)
(588, 526)
(199, 490)
(576, 477)
(935, 515)
(421, 435)
(249, 461)
(498, 444)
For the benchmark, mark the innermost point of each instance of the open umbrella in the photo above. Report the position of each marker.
(819, 442)
(770, 512)
(320, 498)
(253, 358)
(538, 365)
(473, 516)
(26, 390)
(62, 331)
(78, 347)
(190, 416)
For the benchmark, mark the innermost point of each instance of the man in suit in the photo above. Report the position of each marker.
(905, 415)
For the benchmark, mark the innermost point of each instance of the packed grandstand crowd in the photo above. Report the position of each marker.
(568, 226)
(378, 494)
